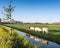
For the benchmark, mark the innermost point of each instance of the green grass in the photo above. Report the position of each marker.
(53, 35)
(13, 41)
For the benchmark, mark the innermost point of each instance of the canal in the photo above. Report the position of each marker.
(39, 41)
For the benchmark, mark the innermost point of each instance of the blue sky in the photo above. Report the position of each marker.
(45, 11)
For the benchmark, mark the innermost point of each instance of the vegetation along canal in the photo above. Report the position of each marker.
(39, 41)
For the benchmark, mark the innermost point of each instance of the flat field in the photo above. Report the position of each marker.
(53, 33)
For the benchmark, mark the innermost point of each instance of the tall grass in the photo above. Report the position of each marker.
(13, 41)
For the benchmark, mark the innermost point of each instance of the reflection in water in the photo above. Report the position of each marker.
(38, 39)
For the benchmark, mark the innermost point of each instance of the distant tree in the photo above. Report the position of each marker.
(8, 10)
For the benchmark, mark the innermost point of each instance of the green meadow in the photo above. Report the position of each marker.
(53, 33)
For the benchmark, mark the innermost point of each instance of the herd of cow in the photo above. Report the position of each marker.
(37, 29)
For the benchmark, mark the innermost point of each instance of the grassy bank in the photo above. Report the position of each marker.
(13, 41)
(53, 35)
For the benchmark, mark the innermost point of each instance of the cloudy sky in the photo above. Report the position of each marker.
(34, 10)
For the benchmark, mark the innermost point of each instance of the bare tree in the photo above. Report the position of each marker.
(8, 10)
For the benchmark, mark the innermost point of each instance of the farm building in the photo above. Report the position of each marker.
(8, 20)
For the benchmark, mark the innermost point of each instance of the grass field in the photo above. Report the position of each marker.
(53, 35)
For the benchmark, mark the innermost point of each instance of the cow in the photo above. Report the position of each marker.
(32, 28)
(44, 29)
(38, 29)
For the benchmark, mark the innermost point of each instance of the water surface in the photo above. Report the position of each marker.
(39, 41)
